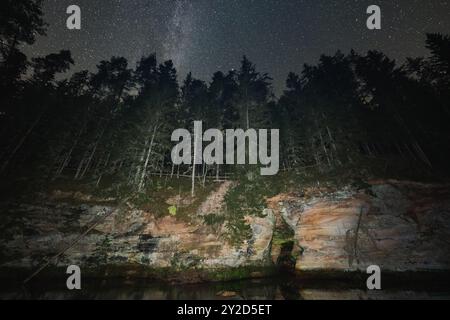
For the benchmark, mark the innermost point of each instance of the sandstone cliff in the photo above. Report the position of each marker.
(400, 226)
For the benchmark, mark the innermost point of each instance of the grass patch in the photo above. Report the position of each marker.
(155, 197)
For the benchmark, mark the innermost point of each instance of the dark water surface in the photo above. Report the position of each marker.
(260, 289)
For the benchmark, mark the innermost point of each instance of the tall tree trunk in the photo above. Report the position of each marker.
(139, 164)
(217, 172)
(247, 117)
(21, 142)
(193, 167)
(144, 169)
(173, 165)
(66, 161)
(141, 159)
(205, 172)
(324, 148)
(416, 144)
(422, 154)
(91, 156)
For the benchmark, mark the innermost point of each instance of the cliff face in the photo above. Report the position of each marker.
(400, 226)
(130, 239)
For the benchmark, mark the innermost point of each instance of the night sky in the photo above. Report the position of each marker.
(204, 36)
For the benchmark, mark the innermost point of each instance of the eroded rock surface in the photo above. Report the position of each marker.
(400, 226)
(130, 237)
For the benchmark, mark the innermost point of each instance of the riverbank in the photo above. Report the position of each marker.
(320, 233)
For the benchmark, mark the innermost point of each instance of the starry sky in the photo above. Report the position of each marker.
(204, 36)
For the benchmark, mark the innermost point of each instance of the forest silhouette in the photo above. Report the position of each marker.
(359, 114)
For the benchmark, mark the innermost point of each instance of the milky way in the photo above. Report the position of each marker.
(179, 45)
(204, 36)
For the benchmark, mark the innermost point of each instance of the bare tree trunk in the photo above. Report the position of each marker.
(173, 164)
(130, 172)
(399, 149)
(205, 172)
(98, 180)
(412, 155)
(324, 148)
(69, 154)
(21, 142)
(331, 139)
(316, 156)
(193, 181)
(144, 169)
(369, 151)
(422, 154)
(80, 166)
(355, 241)
(140, 161)
(91, 156)
(193, 167)
(102, 169)
(172, 171)
(217, 172)
(247, 116)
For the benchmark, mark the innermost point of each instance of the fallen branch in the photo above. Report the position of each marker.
(55, 257)
(358, 226)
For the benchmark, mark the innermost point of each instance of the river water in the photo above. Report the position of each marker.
(259, 289)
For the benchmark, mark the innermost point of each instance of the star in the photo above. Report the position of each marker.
(202, 36)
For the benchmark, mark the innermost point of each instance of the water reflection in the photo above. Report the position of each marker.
(262, 289)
